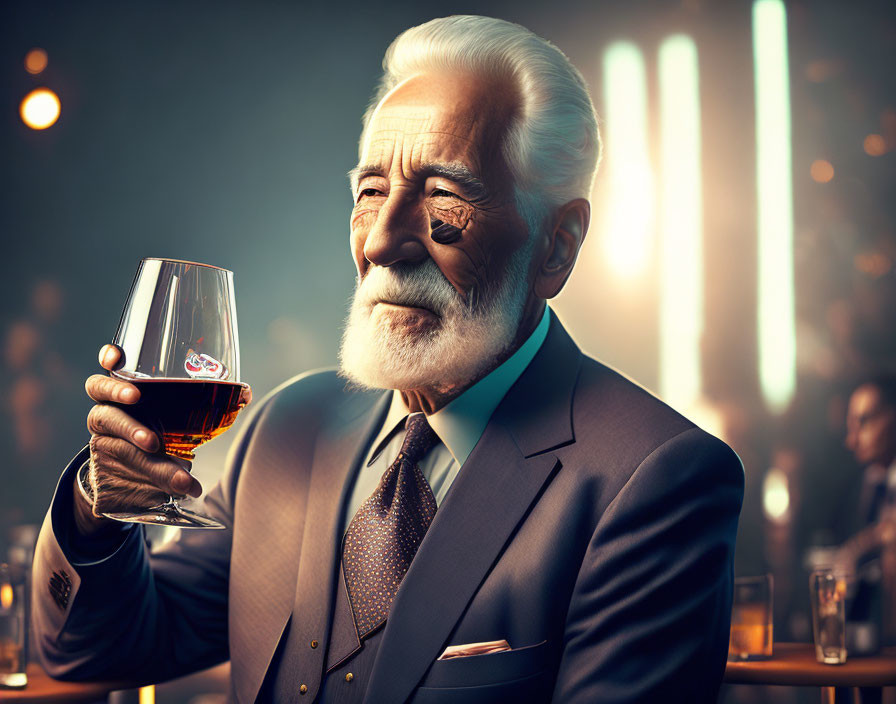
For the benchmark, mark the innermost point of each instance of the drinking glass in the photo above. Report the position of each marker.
(180, 345)
(751, 619)
(827, 590)
(13, 627)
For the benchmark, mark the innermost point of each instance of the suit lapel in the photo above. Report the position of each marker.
(490, 496)
(338, 452)
(261, 589)
(299, 529)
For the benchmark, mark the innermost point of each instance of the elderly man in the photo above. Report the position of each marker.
(474, 511)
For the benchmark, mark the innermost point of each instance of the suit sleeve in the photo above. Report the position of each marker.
(130, 614)
(651, 607)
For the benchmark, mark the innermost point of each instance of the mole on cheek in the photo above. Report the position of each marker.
(443, 233)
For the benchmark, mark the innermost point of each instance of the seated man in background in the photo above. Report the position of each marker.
(484, 514)
(871, 437)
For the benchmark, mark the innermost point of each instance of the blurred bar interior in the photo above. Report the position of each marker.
(740, 262)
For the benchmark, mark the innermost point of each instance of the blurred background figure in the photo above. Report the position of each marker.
(871, 437)
(871, 551)
(868, 555)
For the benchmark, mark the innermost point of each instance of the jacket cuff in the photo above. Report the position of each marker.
(81, 550)
(63, 559)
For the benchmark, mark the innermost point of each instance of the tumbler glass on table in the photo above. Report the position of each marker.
(178, 334)
(827, 590)
(13, 627)
(751, 619)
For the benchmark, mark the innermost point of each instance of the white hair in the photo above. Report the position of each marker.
(553, 147)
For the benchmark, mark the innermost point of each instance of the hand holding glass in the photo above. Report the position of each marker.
(178, 335)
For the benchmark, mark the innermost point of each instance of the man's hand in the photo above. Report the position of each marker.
(128, 469)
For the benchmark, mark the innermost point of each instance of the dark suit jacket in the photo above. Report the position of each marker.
(592, 528)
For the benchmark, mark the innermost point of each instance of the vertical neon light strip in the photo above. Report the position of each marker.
(681, 224)
(776, 324)
(630, 203)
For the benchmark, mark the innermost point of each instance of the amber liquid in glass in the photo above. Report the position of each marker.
(186, 412)
(751, 632)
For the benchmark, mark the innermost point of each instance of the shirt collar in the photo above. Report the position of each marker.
(461, 423)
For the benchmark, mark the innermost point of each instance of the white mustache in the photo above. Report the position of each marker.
(419, 286)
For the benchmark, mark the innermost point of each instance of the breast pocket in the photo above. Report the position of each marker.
(518, 675)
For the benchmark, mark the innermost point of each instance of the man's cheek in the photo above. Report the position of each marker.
(363, 218)
(460, 270)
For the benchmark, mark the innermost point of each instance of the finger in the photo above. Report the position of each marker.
(158, 470)
(186, 482)
(106, 388)
(113, 490)
(245, 396)
(104, 419)
(111, 357)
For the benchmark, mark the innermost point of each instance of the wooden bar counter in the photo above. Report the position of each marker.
(42, 688)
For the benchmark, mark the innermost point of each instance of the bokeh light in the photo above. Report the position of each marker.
(775, 495)
(35, 61)
(6, 596)
(681, 225)
(629, 217)
(821, 171)
(874, 264)
(821, 70)
(875, 145)
(774, 190)
(40, 109)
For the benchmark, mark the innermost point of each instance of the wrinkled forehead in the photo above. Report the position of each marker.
(439, 116)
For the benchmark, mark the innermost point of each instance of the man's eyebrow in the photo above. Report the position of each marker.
(472, 185)
(359, 172)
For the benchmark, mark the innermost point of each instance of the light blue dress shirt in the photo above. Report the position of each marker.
(459, 425)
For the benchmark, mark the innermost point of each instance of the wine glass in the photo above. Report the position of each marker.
(180, 345)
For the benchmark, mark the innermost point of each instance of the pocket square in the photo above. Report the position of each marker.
(468, 649)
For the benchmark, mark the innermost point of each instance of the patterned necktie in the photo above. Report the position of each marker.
(385, 533)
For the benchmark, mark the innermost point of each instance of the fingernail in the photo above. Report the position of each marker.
(109, 356)
(128, 395)
(142, 437)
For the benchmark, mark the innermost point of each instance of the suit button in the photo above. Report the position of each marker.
(314, 644)
(303, 689)
(349, 677)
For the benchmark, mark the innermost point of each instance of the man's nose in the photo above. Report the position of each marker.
(398, 232)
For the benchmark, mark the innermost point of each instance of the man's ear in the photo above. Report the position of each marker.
(565, 240)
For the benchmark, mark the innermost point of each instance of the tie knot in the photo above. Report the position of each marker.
(418, 439)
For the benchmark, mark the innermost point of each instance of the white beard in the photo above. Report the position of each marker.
(379, 352)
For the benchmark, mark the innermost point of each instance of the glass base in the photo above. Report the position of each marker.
(830, 656)
(745, 657)
(13, 680)
(167, 514)
(170, 514)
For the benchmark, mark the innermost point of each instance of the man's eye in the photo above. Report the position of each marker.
(441, 192)
(367, 192)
